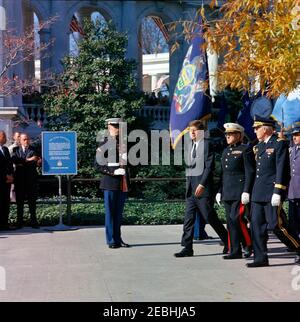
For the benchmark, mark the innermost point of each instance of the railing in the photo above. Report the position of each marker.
(160, 115)
(35, 112)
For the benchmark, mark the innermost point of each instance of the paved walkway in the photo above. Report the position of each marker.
(78, 266)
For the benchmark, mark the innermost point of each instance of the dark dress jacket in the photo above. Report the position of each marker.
(205, 177)
(26, 172)
(6, 166)
(272, 169)
(237, 171)
(107, 165)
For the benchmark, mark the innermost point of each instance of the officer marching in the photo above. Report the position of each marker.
(237, 176)
(111, 162)
(270, 185)
(294, 186)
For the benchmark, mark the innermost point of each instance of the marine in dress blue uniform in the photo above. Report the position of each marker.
(114, 182)
(237, 176)
(294, 186)
(269, 191)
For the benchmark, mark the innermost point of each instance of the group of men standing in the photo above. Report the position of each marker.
(258, 177)
(18, 165)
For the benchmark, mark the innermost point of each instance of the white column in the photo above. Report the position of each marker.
(10, 106)
(45, 38)
(60, 35)
(153, 82)
(129, 25)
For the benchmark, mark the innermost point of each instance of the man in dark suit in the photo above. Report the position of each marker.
(238, 168)
(26, 161)
(6, 178)
(111, 159)
(269, 190)
(199, 187)
(294, 186)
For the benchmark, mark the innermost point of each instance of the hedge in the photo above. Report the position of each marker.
(135, 213)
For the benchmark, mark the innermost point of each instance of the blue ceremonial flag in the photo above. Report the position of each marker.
(287, 109)
(245, 119)
(189, 101)
(223, 112)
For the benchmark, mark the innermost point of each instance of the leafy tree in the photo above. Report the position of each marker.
(97, 84)
(258, 40)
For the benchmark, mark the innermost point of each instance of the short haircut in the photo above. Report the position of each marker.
(198, 124)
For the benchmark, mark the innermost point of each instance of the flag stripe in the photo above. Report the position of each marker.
(75, 26)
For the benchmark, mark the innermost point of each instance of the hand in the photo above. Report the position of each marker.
(199, 190)
(119, 172)
(39, 162)
(9, 179)
(245, 198)
(276, 198)
(34, 158)
(218, 198)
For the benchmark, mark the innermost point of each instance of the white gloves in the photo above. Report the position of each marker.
(218, 198)
(119, 172)
(245, 198)
(276, 198)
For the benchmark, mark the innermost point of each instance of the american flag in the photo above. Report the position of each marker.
(75, 26)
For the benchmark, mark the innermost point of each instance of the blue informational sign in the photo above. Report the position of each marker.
(59, 153)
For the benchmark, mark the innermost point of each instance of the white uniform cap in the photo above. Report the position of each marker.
(233, 127)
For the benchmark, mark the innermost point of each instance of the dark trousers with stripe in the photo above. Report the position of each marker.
(294, 217)
(265, 217)
(237, 226)
(205, 207)
(114, 201)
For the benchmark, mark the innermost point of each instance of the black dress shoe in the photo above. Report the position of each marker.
(204, 238)
(297, 259)
(258, 264)
(114, 246)
(185, 253)
(225, 249)
(248, 252)
(124, 244)
(233, 256)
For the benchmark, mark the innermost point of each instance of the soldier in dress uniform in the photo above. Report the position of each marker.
(270, 185)
(238, 169)
(294, 186)
(111, 161)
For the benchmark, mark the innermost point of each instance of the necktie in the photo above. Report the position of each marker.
(1, 150)
(194, 151)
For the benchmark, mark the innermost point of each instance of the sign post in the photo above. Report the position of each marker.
(59, 155)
